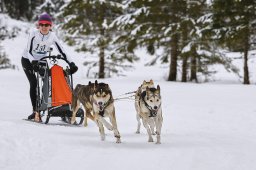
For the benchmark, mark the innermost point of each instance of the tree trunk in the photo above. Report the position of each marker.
(193, 67)
(246, 49)
(101, 63)
(184, 56)
(2, 6)
(102, 58)
(184, 68)
(174, 57)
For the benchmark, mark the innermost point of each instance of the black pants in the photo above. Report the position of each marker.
(28, 69)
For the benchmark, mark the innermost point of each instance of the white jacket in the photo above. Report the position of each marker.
(39, 44)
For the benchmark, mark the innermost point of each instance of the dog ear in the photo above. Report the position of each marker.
(95, 85)
(158, 88)
(89, 83)
(147, 92)
(151, 81)
(144, 82)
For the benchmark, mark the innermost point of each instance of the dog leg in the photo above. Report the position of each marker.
(137, 115)
(89, 115)
(114, 124)
(101, 130)
(145, 123)
(105, 123)
(75, 108)
(152, 125)
(85, 117)
(85, 120)
(139, 124)
(159, 122)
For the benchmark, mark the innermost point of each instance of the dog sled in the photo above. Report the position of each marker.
(54, 90)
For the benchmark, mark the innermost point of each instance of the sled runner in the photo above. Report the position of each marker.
(57, 123)
(54, 89)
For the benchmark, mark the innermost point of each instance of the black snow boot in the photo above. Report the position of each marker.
(32, 116)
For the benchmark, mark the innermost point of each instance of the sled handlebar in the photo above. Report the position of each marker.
(56, 57)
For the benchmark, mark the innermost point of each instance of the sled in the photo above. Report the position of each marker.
(54, 90)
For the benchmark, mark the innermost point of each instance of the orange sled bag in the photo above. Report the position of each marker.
(61, 92)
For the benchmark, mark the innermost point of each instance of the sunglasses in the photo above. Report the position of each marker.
(44, 25)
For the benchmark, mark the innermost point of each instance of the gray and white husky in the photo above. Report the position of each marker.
(149, 110)
(103, 106)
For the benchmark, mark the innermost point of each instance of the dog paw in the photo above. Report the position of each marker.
(102, 138)
(110, 128)
(118, 140)
(138, 132)
(73, 123)
(158, 142)
(85, 124)
(150, 140)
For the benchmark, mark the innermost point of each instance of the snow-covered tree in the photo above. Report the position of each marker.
(86, 24)
(4, 33)
(179, 27)
(2, 6)
(234, 25)
(52, 7)
(160, 23)
(152, 24)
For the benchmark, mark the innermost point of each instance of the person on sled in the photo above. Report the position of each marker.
(38, 45)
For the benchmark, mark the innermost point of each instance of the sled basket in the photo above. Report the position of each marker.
(61, 91)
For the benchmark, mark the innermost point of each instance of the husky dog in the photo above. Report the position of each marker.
(150, 112)
(82, 94)
(140, 90)
(103, 106)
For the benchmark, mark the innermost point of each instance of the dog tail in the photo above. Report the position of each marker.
(75, 95)
(76, 90)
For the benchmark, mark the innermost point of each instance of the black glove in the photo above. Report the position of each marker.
(73, 68)
(35, 65)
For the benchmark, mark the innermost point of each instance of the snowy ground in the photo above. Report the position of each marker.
(208, 126)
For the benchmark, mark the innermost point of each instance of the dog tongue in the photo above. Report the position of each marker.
(101, 108)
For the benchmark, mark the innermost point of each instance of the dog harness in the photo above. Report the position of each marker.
(153, 112)
(101, 113)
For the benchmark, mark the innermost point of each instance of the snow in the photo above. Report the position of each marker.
(207, 126)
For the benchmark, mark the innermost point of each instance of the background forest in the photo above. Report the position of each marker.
(201, 53)
(189, 36)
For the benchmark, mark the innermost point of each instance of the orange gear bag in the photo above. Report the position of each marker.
(61, 92)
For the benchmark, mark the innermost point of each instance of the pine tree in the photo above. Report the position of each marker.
(4, 61)
(153, 24)
(2, 6)
(87, 27)
(192, 37)
(198, 46)
(52, 7)
(17, 9)
(233, 24)
(20, 9)
(181, 28)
